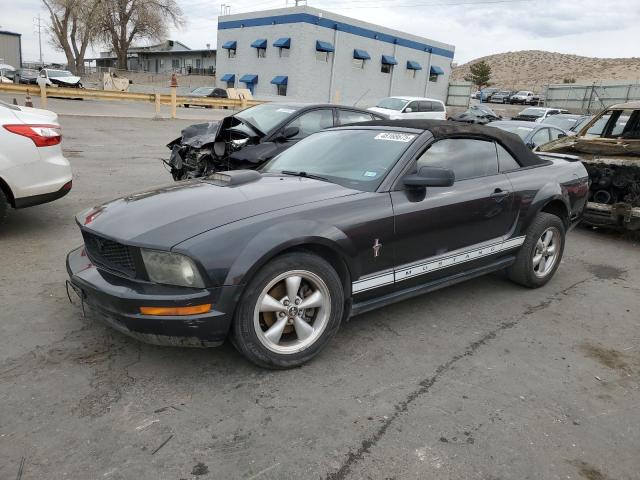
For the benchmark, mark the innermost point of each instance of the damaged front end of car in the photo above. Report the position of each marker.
(206, 148)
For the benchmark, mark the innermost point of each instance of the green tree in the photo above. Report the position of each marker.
(479, 74)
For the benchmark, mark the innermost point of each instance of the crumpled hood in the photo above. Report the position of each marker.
(65, 80)
(165, 216)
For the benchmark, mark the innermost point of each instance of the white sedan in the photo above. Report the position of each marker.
(405, 108)
(33, 169)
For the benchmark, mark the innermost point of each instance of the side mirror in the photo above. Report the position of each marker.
(408, 110)
(430, 177)
(289, 132)
(531, 145)
(562, 135)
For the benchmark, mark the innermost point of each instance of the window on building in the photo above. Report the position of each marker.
(283, 45)
(434, 73)
(282, 90)
(433, 77)
(323, 49)
(284, 52)
(232, 52)
(262, 52)
(358, 63)
(411, 73)
(198, 63)
(386, 68)
(175, 63)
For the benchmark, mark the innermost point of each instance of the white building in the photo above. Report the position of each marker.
(314, 55)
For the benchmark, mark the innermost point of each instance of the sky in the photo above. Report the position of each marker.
(594, 28)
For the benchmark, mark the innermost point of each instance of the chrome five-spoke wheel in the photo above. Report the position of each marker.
(292, 311)
(545, 254)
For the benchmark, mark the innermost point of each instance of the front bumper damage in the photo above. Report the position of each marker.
(619, 215)
(116, 301)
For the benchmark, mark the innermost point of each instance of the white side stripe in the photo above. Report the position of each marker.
(434, 263)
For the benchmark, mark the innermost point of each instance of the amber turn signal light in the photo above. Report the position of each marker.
(176, 311)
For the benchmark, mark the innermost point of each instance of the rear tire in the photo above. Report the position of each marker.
(272, 330)
(4, 206)
(541, 253)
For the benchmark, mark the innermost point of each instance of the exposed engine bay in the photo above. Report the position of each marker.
(206, 148)
(612, 183)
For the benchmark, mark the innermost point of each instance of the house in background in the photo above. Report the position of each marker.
(166, 57)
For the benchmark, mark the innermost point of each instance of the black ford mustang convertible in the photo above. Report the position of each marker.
(347, 220)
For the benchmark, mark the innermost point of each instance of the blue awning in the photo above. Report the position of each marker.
(228, 77)
(260, 43)
(389, 60)
(284, 42)
(435, 70)
(230, 45)
(411, 65)
(280, 80)
(361, 54)
(324, 46)
(249, 78)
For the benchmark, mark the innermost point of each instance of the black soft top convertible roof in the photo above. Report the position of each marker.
(449, 129)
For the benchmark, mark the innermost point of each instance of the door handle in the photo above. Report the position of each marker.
(498, 194)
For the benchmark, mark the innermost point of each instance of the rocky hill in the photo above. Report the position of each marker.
(532, 69)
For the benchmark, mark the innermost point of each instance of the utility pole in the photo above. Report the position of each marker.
(38, 25)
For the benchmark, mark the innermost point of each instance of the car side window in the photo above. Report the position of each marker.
(348, 116)
(505, 160)
(466, 157)
(413, 106)
(312, 122)
(555, 133)
(437, 107)
(540, 137)
(424, 106)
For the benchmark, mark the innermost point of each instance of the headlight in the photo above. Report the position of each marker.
(171, 268)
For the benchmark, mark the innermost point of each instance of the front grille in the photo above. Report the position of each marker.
(109, 254)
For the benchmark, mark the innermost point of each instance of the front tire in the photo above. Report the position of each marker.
(289, 311)
(541, 253)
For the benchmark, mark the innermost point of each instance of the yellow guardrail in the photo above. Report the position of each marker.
(172, 99)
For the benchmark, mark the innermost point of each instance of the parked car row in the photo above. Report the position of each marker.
(495, 95)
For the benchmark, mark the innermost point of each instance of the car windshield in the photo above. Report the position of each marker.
(561, 121)
(578, 126)
(358, 159)
(266, 116)
(519, 130)
(532, 112)
(59, 73)
(392, 103)
(203, 90)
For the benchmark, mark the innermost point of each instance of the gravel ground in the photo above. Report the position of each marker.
(483, 380)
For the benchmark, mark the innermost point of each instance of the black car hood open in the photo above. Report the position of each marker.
(165, 216)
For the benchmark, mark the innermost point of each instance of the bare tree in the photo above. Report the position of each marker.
(125, 21)
(74, 25)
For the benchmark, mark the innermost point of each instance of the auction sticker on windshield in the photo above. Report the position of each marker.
(395, 137)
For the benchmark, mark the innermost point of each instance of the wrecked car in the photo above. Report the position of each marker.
(60, 78)
(249, 138)
(609, 147)
(478, 114)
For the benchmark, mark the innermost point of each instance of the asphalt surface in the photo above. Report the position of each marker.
(484, 380)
